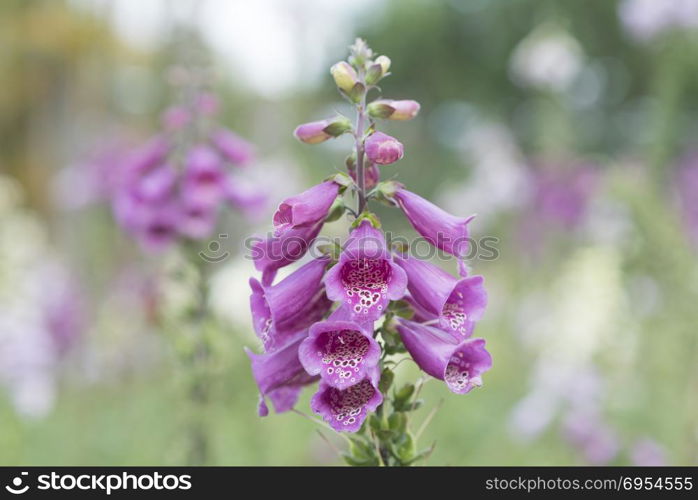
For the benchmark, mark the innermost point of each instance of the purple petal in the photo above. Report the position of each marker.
(365, 278)
(276, 252)
(279, 374)
(289, 306)
(341, 352)
(346, 409)
(308, 208)
(459, 364)
(438, 227)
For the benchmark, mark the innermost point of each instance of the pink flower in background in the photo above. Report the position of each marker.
(561, 193)
(686, 181)
(163, 195)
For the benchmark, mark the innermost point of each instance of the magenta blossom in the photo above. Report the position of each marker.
(204, 176)
(365, 278)
(291, 305)
(279, 376)
(305, 209)
(340, 350)
(346, 409)
(157, 228)
(273, 253)
(458, 363)
(197, 219)
(383, 149)
(443, 230)
(457, 303)
(234, 148)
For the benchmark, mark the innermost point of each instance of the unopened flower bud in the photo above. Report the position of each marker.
(383, 149)
(384, 62)
(320, 131)
(393, 110)
(344, 76)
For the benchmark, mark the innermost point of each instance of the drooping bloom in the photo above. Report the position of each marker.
(234, 148)
(158, 227)
(275, 252)
(383, 149)
(204, 176)
(156, 185)
(346, 409)
(365, 278)
(293, 304)
(443, 230)
(394, 110)
(457, 303)
(279, 376)
(459, 364)
(197, 218)
(305, 209)
(340, 350)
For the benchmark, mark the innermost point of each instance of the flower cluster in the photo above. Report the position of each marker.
(174, 186)
(339, 318)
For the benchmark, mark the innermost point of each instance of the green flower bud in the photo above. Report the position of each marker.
(345, 76)
(384, 62)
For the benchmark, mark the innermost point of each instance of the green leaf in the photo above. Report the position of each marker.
(387, 377)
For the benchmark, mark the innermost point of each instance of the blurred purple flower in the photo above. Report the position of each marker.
(647, 452)
(233, 147)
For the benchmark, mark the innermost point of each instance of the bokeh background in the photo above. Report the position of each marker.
(569, 127)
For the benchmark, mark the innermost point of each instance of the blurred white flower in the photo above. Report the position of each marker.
(647, 19)
(549, 58)
(498, 179)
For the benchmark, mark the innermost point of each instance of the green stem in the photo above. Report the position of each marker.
(359, 145)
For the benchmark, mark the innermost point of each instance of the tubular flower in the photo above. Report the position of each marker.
(273, 253)
(365, 278)
(459, 364)
(443, 230)
(346, 409)
(234, 148)
(341, 351)
(204, 177)
(457, 303)
(394, 110)
(293, 304)
(305, 209)
(279, 376)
